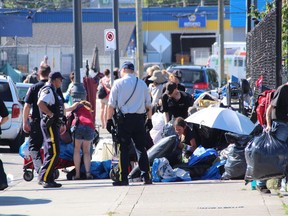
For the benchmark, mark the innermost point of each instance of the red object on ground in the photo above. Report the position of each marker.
(61, 163)
(91, 89)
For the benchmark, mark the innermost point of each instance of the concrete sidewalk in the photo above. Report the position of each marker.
(99, 197)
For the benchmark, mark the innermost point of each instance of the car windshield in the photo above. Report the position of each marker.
(5, 93)
(192, 76)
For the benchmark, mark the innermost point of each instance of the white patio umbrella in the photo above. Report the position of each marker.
(223, 119)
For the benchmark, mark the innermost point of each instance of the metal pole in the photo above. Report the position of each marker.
(278, 43)
(78, 91)
(221, 39)
(248, 19)
(115, 22)
(139, 38)
(111, 69)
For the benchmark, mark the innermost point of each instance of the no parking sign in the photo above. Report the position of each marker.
(110, 39)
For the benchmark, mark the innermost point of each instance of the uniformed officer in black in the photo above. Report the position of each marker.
(134, 122)
(52, 114)
(33, 127)
(4, 117)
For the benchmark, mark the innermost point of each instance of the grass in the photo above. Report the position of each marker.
(272, 184)
(285, 207)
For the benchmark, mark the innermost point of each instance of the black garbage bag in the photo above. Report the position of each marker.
(266, 157)
(163, 148)
(235, 166)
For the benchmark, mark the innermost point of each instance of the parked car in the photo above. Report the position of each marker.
(196, 77)
(22, 89)
(12, 133)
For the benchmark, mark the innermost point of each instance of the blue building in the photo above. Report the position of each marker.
(167, 32)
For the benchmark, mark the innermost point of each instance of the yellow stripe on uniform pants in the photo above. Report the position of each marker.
(54, 153)
(119, 165)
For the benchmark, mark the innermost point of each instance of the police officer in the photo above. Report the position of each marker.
(4, 117)
(33, 128)
(52, 114)
(133, 104)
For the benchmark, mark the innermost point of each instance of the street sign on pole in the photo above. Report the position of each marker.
(110, 39)
(160, 43)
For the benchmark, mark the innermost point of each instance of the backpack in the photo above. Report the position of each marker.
(32, 78)
(67, 137)
(262, 104)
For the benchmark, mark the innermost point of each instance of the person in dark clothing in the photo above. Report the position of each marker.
(277, 123)
(33, 127)
(51, 106)
(175, 103)
(4, 117)
(33, 77)
(116, 73)
(277, 114)
(134, 106)
(186, 135)
(4, 114)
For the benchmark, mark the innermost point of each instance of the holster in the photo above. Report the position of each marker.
(48, 121)
(119, 117)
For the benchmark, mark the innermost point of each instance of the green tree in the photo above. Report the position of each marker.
(36, 4)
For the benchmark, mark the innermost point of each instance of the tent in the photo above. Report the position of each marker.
(15, 74)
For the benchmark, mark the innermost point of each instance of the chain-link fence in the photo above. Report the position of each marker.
(261, 52)
(25, 58)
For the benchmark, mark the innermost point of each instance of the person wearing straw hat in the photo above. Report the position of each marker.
(156, 88)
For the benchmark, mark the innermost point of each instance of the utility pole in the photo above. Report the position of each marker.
(78, 91)
(221, 39)
(139, 38)
(115, 23)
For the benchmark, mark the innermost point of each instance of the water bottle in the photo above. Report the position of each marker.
(253, 185)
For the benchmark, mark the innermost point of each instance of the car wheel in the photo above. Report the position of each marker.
(17, 142)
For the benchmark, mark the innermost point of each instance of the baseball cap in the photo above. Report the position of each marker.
(54, 75)
(170, 87)
(177, 73)
(128, 65)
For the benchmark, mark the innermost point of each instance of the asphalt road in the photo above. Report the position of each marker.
(13, 164)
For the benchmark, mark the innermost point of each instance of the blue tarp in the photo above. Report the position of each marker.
(201, 154)
(15, 75)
